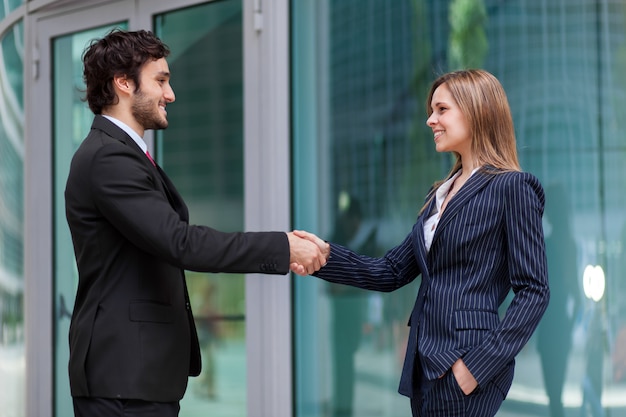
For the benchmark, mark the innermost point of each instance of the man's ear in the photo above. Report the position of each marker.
(123, 85)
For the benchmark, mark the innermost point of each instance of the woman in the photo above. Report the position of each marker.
(478, 235)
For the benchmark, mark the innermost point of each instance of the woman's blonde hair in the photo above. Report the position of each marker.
(483, 102)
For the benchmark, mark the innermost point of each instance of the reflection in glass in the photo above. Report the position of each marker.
(7, 6)
(349, 305)
(359, 78)
(202, 152)
(554, 335)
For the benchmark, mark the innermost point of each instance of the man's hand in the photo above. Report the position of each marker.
(464, 377)
(306, 255)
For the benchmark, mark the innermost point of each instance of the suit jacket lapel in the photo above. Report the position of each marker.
(474, 184)
(111, 129)
(173, 197)
(420, 244)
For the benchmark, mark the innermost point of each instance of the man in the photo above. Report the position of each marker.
(133, 341)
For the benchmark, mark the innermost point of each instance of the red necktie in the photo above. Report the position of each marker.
(150, 158)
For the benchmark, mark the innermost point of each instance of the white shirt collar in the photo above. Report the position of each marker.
(134, 135)
(431, 223)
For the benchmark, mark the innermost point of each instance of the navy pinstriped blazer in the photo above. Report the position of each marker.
(489, 240)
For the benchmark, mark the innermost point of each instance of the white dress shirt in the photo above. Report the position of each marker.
(138, 139)
(430, 225)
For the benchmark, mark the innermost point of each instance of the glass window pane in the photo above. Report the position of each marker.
(202, 152)
(7, 6)
(72, 120)
(12, 353)
(360, 75)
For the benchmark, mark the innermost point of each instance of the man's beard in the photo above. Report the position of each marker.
(146, 115)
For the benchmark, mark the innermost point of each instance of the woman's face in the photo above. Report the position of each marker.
(451, 130)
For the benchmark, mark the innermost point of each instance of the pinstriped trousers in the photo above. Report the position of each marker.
(443, 398)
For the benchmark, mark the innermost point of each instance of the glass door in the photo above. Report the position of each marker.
(57, 121)
(202, 152)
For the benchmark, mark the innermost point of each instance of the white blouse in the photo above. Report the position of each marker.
(430, 225)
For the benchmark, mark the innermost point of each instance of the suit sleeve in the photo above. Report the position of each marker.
(395, 269)
(125, 191)
(527, 269)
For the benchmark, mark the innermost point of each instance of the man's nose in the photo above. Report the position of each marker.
(169, 95)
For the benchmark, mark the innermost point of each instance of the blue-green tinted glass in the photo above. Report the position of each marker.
(202, 152)
(8, 6)
(12, 353)
(360, 76)
(72, 120)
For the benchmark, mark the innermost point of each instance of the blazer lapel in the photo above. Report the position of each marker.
(420, 245)
(175, 200)
(473, 185)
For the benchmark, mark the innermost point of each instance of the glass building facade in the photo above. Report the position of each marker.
(311, 115)
(361, 74)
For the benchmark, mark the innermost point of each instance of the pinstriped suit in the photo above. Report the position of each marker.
(488, 240)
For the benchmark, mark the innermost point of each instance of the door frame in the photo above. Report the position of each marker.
(267, 193)
(41, 26)
(267, 144)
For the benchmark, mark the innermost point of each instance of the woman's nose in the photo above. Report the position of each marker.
(432, 120)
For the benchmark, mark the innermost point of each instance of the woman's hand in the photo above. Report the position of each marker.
(464, 377)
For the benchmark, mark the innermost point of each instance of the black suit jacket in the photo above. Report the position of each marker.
(132, 333)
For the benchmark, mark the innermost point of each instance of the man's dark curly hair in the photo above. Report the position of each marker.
(118, 53)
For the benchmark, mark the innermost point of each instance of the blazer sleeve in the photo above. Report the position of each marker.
(527, 269)
(127, 191)
(395, 269)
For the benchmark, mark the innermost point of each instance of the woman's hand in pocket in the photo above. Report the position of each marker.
(464, 377)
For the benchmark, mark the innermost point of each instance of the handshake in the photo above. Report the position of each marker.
(307, 252)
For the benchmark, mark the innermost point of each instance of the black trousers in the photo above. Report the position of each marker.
(107, 407)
